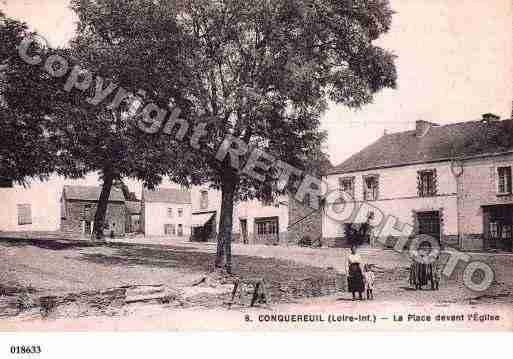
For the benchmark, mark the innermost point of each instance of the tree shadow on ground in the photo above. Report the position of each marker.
(189, 258)
(284, 278)
(410, 289)
(45, 243)
(56, 244)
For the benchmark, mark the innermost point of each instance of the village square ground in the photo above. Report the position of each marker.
(82, 277)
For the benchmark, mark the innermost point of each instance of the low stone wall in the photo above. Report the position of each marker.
(315, 286)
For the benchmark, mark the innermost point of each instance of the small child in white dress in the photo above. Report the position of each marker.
(369, 281)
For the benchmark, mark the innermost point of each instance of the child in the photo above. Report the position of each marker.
(369, 281)
(435, 274)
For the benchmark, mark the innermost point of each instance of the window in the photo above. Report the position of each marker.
(426, 183)
(204, 200)
(170, 212)
(370, 188)
(504, 180)
(169, 229)
(265, 227)
(180, 212)
(500, 230)
(346, 184)
(24, 214)
(498, 221)
(180, 230)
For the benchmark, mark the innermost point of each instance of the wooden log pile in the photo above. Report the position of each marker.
(106, 300)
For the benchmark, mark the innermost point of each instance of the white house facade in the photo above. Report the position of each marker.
(32, 208)
(262, 223)
(451, 182)
(397, 198)
(253, 220)
(486, 202)
(166, 212)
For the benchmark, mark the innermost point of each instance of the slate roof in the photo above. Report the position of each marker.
(134, 207)
(167, 195)
(464, 139)
(91, 193)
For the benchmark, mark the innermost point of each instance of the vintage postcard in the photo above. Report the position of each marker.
(287, 165)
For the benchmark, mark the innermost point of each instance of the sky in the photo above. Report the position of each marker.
(454, 62)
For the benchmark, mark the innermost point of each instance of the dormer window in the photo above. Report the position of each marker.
(504, 180)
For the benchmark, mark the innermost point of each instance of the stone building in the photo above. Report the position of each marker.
(305, 221)
(133, 217)
(78, 207)
(450, 182)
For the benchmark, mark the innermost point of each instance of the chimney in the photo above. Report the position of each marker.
(489, 117)
(422, 127)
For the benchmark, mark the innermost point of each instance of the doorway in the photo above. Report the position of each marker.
(87, 228)
(429, 224)
(244, 230)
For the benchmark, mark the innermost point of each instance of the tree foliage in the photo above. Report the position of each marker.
(26, 151)
(263, 71)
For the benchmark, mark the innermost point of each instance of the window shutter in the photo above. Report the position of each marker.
(377, 188)
(493, 179)
(435, 183)
(419, 183)
(63, 208)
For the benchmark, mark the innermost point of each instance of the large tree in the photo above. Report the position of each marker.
(55, 125)
(262, 71)
(26, 151)
(104, 134)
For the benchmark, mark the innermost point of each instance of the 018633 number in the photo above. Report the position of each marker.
(25, 349)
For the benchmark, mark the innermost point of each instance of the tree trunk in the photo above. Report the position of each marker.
(101, 209)
(220, 238)
(224, 237)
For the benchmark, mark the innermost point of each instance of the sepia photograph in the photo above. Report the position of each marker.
(256, 166)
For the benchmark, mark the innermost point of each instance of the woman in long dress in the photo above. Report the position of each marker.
(355, 279)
